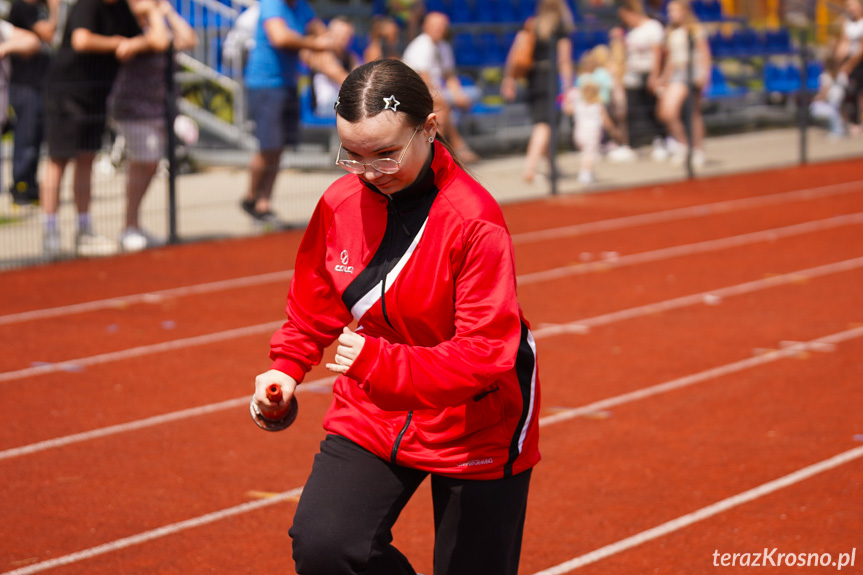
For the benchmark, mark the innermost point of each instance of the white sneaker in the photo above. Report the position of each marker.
(678, 157)
(622, 154)
(51, 244)
(585, 177)
(698, 159)
(660, 151)
(136, 239)
(89, 244)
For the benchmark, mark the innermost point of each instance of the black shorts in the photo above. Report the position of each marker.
(72, 125)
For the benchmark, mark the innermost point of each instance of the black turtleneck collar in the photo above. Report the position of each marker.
(415, 192)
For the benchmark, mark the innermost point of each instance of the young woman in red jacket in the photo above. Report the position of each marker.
(438, 377)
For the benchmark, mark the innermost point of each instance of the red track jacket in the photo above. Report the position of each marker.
(446, 381)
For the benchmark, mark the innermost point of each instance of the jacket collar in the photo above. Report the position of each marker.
(429, 180)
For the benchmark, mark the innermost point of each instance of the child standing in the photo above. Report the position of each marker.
(591, 118)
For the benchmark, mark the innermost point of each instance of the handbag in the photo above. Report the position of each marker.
(520, 58)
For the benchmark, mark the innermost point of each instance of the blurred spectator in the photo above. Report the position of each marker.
(408, 14)
(674, 80)
(642, 55)
(827, 103)
(240, 39)
(593, 70)
(849, 54)
(591, 120)
(25, 95)
(383, 39)
(99, 34)
(284, 28)
(330, 67)
(599, 72)
(549, 30)
(431, 56)
(139, 115)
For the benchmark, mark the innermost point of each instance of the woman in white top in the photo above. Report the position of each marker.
(849, 53)
(642, 46)
(673, 85)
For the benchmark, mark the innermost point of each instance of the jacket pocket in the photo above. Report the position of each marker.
(483, 411)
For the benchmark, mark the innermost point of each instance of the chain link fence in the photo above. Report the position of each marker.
(757, 114)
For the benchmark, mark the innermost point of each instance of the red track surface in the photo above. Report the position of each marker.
(140, 497)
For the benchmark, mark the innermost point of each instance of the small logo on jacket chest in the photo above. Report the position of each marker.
(344, 267)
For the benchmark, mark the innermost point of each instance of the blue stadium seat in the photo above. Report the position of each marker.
(307, 111)
(747, 43)
(719, 87)
(720, 46)
(437, 6)
(781, 79)
(526, 8)
(468, 52)
(813, 71)
(778, 42)
(708, 10)
(585, 40)
(496, 11)
(461, 12)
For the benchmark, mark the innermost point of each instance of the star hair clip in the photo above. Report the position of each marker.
(391, 104)
(336, 105)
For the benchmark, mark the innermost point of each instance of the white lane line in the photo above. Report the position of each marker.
(149, 297)
(789, 351)
(580, 326)
(564, 567)
(716, 295)
(75, 364)
(687, 212)
(157, 533)
(546, 275)
(522, 238)
(318, 385)
(694, 248)
(705, 512)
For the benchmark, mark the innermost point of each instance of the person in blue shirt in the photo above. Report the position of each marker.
(284, 28)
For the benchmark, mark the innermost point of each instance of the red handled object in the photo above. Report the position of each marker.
(278, 418)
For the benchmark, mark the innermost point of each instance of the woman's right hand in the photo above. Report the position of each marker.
(266, 379)
(508, 88)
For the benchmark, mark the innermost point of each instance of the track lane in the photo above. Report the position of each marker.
(178, 435)
(115, 329)
(789, 520)
(219, 539)
(760, 443)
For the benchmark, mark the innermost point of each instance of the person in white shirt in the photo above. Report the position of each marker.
(431, 56)
(849, 52)
(673, 87)
(643, 41)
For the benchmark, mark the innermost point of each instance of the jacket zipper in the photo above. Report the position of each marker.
(392, 212)
(401, 434)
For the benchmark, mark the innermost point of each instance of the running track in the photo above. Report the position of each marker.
(700, 349)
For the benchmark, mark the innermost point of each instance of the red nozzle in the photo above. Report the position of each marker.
(275, 413)
(274, 393)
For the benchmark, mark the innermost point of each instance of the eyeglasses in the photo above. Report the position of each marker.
(382, 165)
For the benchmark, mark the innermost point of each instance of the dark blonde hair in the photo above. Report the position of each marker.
(363, 91)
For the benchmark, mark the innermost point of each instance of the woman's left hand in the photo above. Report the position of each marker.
(350, 345)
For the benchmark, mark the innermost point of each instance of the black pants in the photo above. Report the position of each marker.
(27, 103)
(343, 524)
(642, 124)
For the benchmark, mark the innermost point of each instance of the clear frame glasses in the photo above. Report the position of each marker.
(387, 166)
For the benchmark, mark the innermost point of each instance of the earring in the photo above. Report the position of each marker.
(431, 139)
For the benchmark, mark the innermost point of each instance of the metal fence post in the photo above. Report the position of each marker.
(803, 106)
(689, 106)
(553, 116)
(171, 145)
